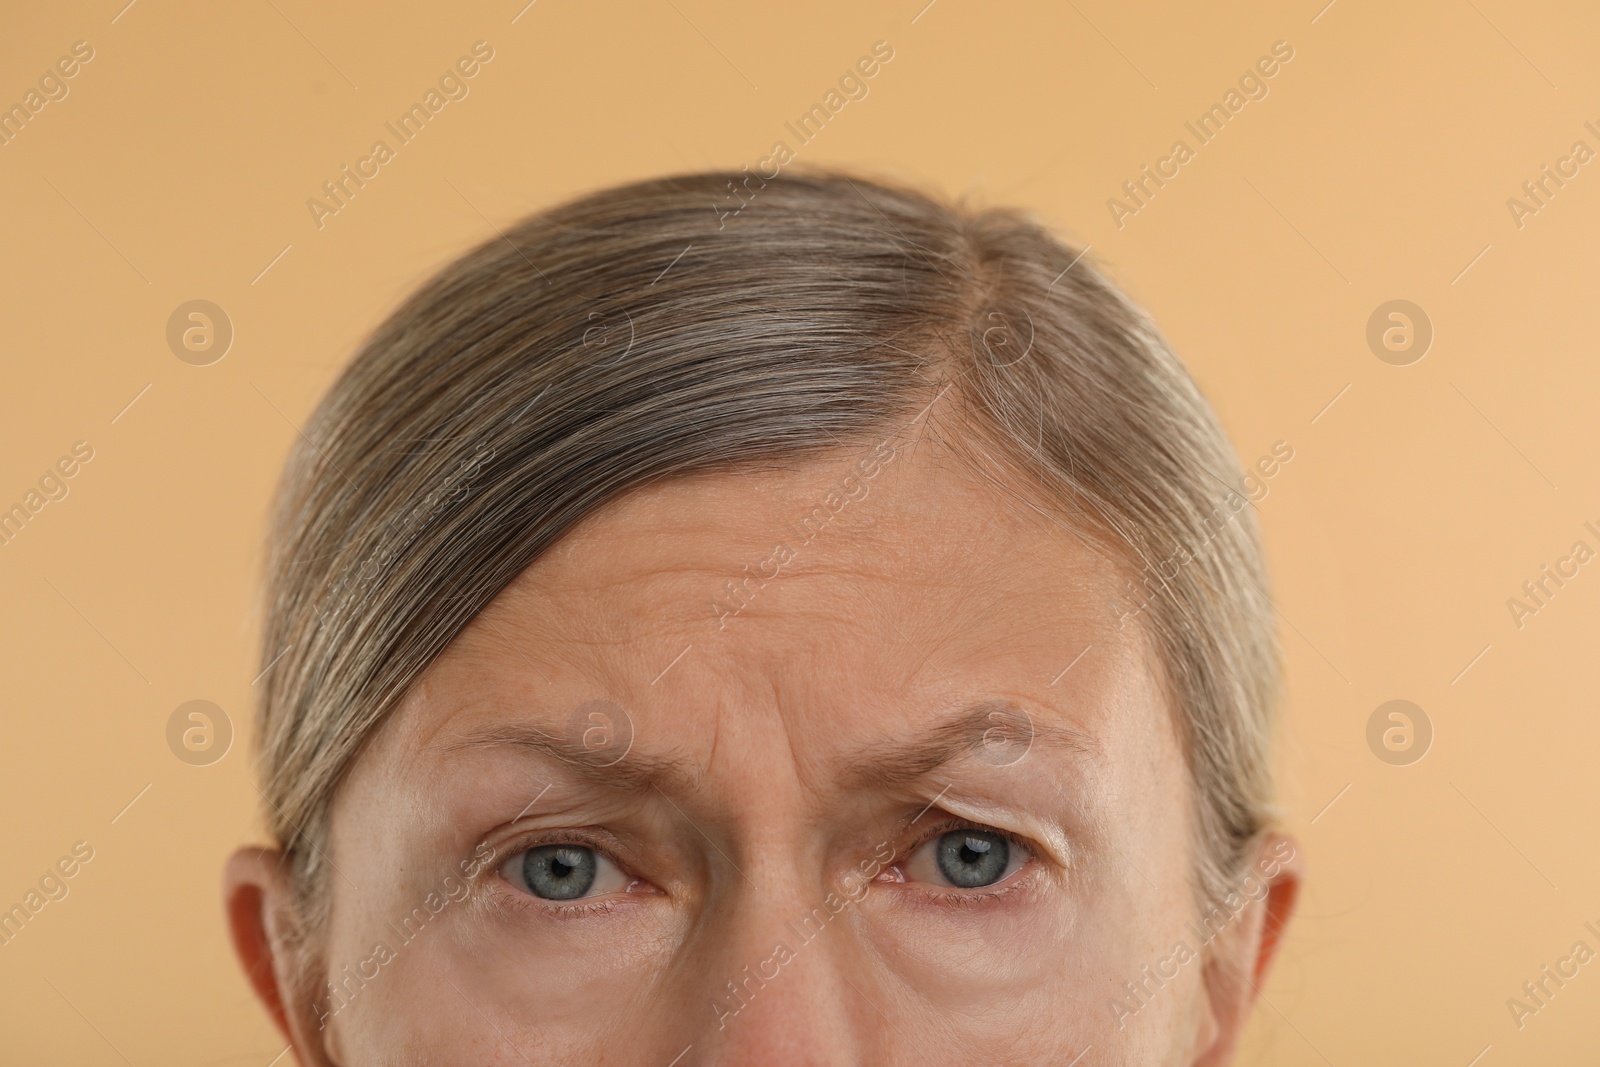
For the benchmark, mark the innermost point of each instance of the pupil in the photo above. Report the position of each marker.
(559, 872)
(971, 859)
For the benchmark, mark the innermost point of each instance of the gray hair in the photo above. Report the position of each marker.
(640, 333)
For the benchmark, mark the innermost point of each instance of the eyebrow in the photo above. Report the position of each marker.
(882, 764)
(962, 734)
(634, 773)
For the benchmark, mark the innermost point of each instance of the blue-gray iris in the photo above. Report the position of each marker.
(973, 858)
(559, 872)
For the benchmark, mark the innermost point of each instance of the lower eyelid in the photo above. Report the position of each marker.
(521, 901)
(1020, 882)
(922, 905)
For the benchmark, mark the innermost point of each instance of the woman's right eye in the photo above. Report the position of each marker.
(562, 872)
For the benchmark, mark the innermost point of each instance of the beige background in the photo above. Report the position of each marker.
(1378, 167)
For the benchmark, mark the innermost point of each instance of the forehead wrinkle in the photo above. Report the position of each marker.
(900, 763)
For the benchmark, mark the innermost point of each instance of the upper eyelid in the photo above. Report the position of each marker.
(1043, 839)
(958, 822)
(527, 836)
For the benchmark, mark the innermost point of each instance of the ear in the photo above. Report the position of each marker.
(1244, 951)
(256, 897)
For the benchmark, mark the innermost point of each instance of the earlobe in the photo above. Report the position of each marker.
(255, 893)
(1243, 957)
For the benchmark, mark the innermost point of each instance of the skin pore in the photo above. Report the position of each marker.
(919, 800)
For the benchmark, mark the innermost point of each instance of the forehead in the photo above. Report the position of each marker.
(920, 529)
(855, 594)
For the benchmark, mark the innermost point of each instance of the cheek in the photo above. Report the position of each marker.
(980, 984)
(556, 988)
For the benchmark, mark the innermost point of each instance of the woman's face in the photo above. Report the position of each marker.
(848, 764)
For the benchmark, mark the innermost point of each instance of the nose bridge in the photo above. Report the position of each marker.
(775, 977)
(769, 957)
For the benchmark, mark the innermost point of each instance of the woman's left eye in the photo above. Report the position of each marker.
(562, 872)
(966, 858)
